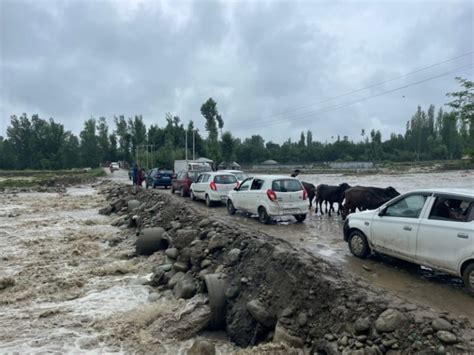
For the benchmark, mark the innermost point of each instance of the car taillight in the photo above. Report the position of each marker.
(271, 195)
(305, 194)
(213, 186)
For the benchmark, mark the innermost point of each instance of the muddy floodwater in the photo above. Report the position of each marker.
(322, 235)
(78, 288)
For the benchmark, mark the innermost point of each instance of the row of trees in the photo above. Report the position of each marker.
(35, 143)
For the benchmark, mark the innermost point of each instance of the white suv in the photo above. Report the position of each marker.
(213, 187)
(434, 228)
(270, 196)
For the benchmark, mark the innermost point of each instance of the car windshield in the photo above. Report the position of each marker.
(240, 176)
(193, 175)
(286, 185)
(225, 179)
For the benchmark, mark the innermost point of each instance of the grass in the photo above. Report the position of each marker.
(32, 178)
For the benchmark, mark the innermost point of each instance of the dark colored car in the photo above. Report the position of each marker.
(158, 177)
(183, 181)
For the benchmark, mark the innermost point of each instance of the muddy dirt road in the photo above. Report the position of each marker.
(322, 235)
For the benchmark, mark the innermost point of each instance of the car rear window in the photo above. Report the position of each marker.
(193, 175)
(286, 185)
(225, 179)
(165, 172)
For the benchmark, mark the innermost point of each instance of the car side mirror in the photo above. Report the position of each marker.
(236, 188)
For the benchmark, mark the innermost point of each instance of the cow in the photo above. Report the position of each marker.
(365, 197)
(327, 193)
(311, 190)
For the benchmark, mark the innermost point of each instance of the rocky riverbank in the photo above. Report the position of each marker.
(272, 291)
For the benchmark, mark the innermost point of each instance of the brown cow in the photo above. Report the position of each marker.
(363, 197)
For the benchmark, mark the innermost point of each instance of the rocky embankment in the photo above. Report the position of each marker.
(262, 290)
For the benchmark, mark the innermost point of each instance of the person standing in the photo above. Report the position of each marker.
(135, 174)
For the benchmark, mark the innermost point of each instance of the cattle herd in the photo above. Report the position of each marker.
(349, 198)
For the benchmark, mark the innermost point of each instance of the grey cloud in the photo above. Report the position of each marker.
(71, 60)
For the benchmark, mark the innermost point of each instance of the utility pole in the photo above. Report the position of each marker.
(186, 146)
(194, 155)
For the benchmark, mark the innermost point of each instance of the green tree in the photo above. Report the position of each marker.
(228, 147)
(89, 144)
(213, 121)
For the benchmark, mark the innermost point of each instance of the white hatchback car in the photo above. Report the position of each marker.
(433, 228)
(213, 187)
(270, 196)
(240, 175)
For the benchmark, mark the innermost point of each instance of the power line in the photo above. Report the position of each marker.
(366, 87)
(339, 106)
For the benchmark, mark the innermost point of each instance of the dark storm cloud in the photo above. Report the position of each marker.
(71, 60)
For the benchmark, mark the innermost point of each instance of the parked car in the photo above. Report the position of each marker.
(431, 227)
(213, 187)
(158, 177)
(240, 175)
(183, 181)
(114, 166)
(270, 196)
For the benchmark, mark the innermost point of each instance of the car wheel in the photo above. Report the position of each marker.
(230, 207)
(181, 192)
(192, 196)
(300, 217)
(263, 215)
(208, 201)
(468, 277)
(358, 244)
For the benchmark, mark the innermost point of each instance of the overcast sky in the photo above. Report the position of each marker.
(259, 60)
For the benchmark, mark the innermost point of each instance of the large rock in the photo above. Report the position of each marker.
(185, 287)
(390, 320)
(172, 253)
(218, 241)
(202, 347)
(281, 335)
(174, 279)
(260, 313)
(131, 206)
(441, 324)
(183, 238)
(233, 257)
(362, 325)
(446, 337)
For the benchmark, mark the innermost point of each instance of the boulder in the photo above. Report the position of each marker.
(441, 324)
(260, 313)
(202, 347)
(233, 257)
(390, 320)
(185, 287)
(183, 238)
(174, 279)
(446, 337)
(172, 253)
(131, 206)
(281, 335)
(179, 266)
(218, 241)
(362, 325)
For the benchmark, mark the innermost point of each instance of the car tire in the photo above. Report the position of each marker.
(208, 201)
(192, 195)
(263, 216)
(468, 278)
(300, 217)
(358, 244)
(230, 207)
(181, 193)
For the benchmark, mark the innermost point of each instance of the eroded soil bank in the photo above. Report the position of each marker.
(71, 282)
(278, 292)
